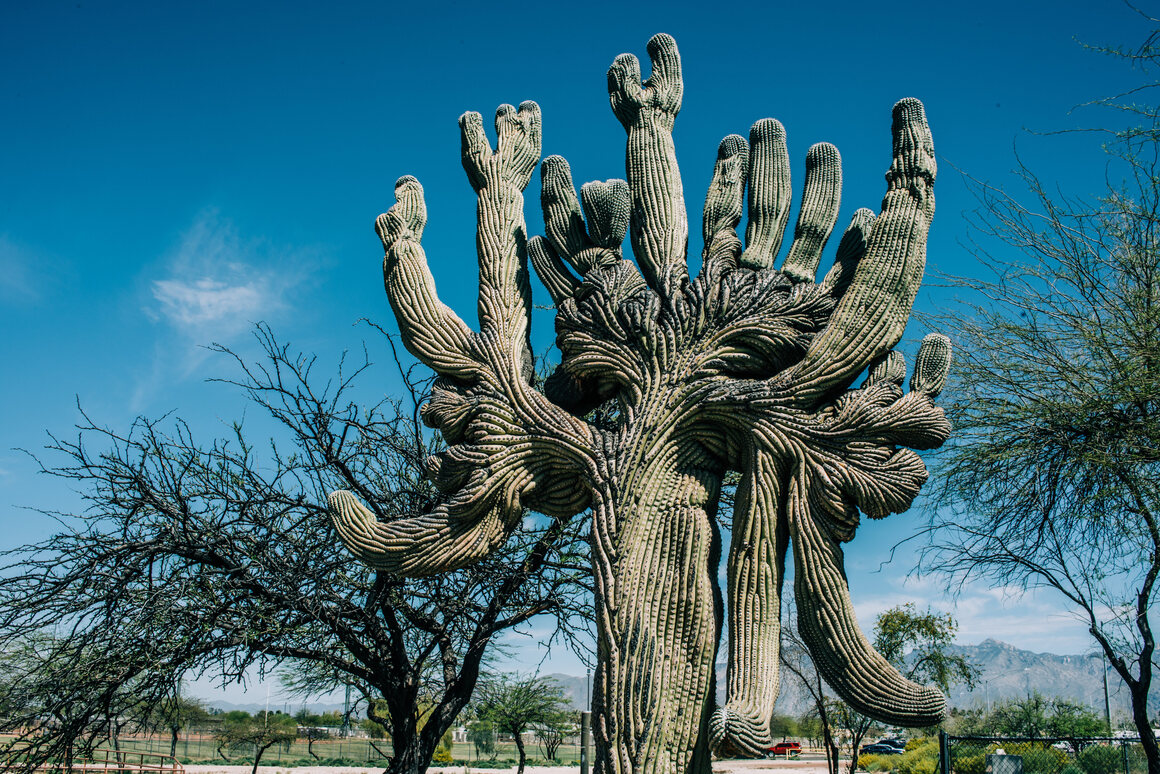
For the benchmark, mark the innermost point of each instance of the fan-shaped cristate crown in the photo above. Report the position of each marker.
(749, 365)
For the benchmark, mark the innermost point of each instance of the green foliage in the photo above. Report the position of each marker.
(809, 726)
(551, 730)
(971, 763)
(921, 757)
(1038, 757)
(1033, 716)
(1101, 759)
(872, 762)
(178, 712)
(481, 733)
(514, 703)
(1069, 719)
(968, 722)
(442, 757)
(784, 726)
(917, 642)
(321, 720)
(374, 730)
(239, 730)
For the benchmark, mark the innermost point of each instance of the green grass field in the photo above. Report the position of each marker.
(202, 749)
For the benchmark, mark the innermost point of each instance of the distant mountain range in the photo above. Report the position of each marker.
(1007, 672)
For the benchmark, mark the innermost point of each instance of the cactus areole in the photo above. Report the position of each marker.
(744, 366)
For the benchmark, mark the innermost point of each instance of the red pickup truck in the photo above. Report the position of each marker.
(784, 750)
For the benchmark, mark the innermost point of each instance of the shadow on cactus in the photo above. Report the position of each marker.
(744, 366)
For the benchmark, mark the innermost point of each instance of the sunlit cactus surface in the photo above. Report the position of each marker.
(747, 366)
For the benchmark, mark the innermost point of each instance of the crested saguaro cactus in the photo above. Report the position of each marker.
(745, 367)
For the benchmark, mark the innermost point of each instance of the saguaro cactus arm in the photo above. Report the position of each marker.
(756, 570)
(875, 307)
(824, 501)
(511, 448)
(847, 467)
(660, 224)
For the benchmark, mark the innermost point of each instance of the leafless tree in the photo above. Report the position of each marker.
(1053, 476)
(220, 557)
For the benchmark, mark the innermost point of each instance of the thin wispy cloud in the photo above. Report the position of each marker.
(19, 280)
(218, 284)
(211, 288)
(1033, 620)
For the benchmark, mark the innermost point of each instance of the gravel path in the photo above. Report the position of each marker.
(719, 767)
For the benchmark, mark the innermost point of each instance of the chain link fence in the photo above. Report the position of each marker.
(1018, 755)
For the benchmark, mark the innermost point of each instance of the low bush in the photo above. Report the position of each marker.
(1039, 757)
(872, 762)
(970, 763)
(921, 757)
(1101, 759)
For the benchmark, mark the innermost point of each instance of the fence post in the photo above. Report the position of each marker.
(944, 753)
(1124, 753)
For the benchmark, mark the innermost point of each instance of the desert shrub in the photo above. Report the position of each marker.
(970, 763)
(921, 757)
(442, 757)
(1038, 757)
(1101, 759)
(873, 762)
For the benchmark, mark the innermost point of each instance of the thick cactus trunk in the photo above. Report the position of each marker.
(756, 573)
(743, 366)
(656, 546)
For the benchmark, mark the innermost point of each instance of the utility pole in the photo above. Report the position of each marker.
(1107, 702)
(346, 713)
(586, 723)
(585, 739)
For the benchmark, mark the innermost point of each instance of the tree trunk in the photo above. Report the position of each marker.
(827, 737)
(1139, 694)
(173, 742)
(520, 749)
(259, 751)
(832, 753)
(655, 549)
(412, 750)
(856, 742)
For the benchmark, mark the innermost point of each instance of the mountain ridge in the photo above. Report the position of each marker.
(1007, 672)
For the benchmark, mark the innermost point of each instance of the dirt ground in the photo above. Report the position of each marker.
(719, 767)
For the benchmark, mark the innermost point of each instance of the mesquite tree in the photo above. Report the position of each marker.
(743, 367)
(217, 557)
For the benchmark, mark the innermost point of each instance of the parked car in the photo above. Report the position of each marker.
(784, 750)
(878, 748)
(893, 742)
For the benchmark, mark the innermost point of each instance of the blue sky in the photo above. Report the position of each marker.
(172, 172)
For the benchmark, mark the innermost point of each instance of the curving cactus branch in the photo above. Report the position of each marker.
(745, 366)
